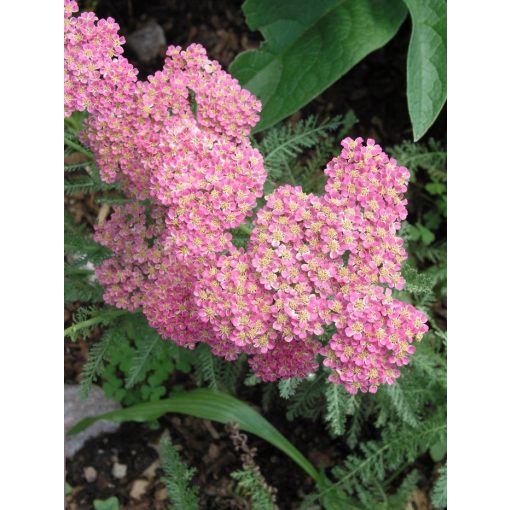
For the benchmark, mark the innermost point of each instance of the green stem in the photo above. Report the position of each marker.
(72, 330)
(290, 174)
(351, 474)
(73, 123)
(78, 147)
(396, 474)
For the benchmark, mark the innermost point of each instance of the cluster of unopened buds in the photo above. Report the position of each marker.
(178, 143)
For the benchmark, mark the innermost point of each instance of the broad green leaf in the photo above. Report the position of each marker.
(435, 188)
(438, 451)
(210, 405)
(426, 63)
(308, 45)
(421, 233)
(107, 504)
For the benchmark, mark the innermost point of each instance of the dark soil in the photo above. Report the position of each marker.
(375, 91)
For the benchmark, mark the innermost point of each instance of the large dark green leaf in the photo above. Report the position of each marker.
(426, 63)
(211, 405)
(308, 45)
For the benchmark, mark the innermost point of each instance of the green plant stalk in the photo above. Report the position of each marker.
(396, 474)
(78, 147)
(340, 482)
(71, 330)
(72, 122)
(290, 174)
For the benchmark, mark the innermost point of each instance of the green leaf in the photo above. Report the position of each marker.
(85, 319)
(407, 487)
(439, 499)
(210, 405)
(177, 478)
(416, 283)
(107, 504)
(79, 244)
(79, 283)
(208, 367)
(438, 451)
(426, 63)
(421, 233)
(308, 45)
(306, 401)
(288, 387)
(94, 366)
(435, 188)
(401, 402)
(338, 403)
(282, 144)
(251, 486)
(150, 341)
(332, 497)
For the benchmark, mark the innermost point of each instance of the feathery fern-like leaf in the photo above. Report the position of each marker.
(438, 496)
(430, 156)
(231, 372)
(288, 387)
(207, 369)
(87, 181)
(78, 243)
(98, 354)
(251, 486)
(80, 284)
(396, 446)
(149, 342)
(416, 283)
(408, 485)
(86, 318)
(282, 144)
(400, 401)
(338, 405)
(177, 477)
(306, 400)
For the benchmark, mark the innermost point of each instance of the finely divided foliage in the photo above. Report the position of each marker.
(177, 478)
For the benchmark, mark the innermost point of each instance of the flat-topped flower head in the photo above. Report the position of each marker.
(178, 145)
(235, 304)
(373, 341)
(179, 138)
(133, 234)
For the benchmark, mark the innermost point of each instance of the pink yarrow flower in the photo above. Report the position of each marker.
(179, 142)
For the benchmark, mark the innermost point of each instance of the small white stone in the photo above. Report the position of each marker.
(90, 474)
(138, 489)
(119, 470)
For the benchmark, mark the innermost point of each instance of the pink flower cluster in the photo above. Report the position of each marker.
(318, 261)
(142, 273)
(179, 145)
(181, 138)
(89, 47)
